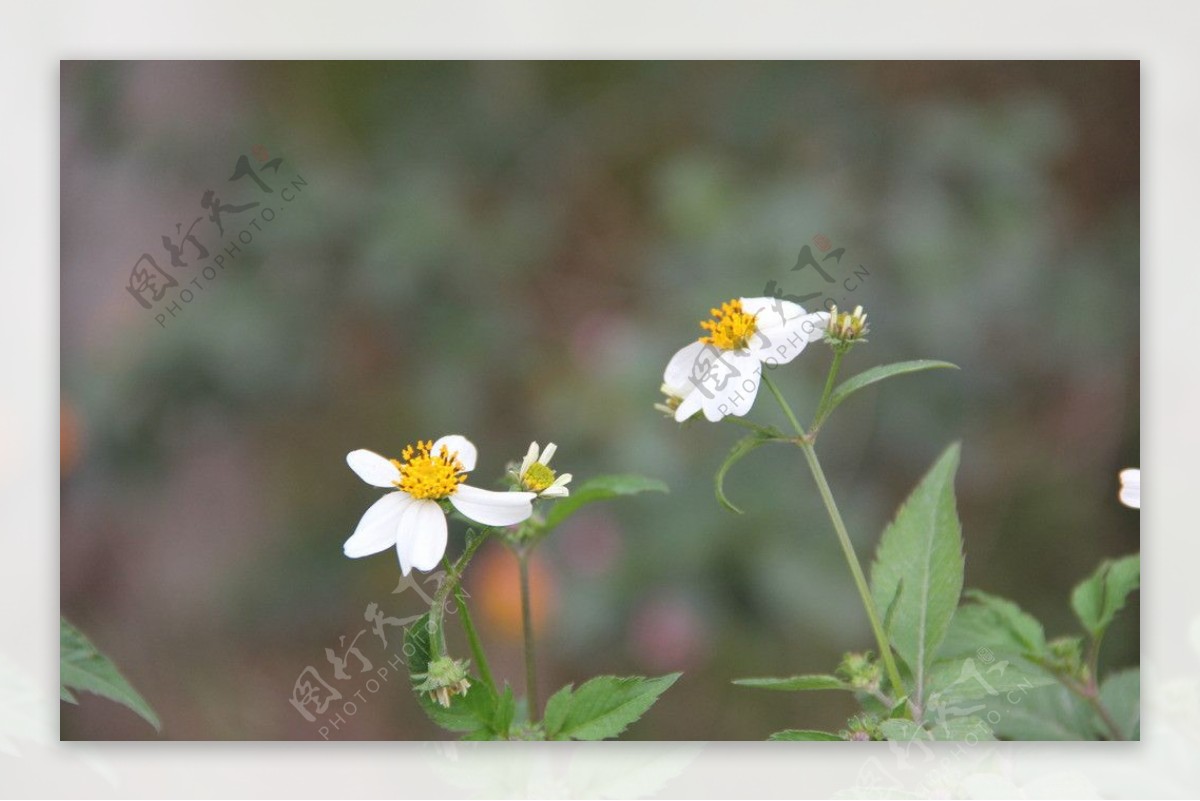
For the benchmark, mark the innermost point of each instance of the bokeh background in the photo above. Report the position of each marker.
(513, 251)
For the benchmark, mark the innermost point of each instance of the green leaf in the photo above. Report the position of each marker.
(1121, 695)
(65, 695)
(82, 667)
(809, 735)
(602, 707)
(474, 712)
(1097, 600)
(961, 727)
(814, 682)
(918, 569)
(740, 449)
(959, 680)
(901, 730)
(600, 488)
(1044, 713)
(506, 710)
(556, 711)
(992, 624)
(875, 375)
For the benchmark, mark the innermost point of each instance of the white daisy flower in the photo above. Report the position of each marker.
(1131, 487)
(719, 374)
(535, 474)
(411, 518)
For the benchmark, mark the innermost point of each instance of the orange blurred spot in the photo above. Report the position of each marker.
(494, 584)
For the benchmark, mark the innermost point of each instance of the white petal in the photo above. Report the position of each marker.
(681, 368)
(421, 540)
(530, 457)
(730, 384)
(376, 530)
(456, 443)
(770, 312)
(689, 406)
(373, 468)
(493, 508)
(549, 452)
(1131, 488)
(779, 344)
(553, 491)
(562, 480)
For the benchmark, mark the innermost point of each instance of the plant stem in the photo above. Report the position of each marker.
(527, 622)
(860, 580)
(834, 367)
(787, 410)
(437, 609)
(481, 663)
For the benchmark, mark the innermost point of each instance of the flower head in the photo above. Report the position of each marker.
(1130, 493)
(536, 476)
(846, 328)
(413, 518)
(719, 373)
(443, 679)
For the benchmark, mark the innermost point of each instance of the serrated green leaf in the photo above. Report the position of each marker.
(740, 449)
(1097, 600)
(808, 735)
(600, 488)
(556, 712)
(918, 568)
(1121, 694)
(603, 707)
(82, 667)
(992, 624)
(876, 374)
(473, 712)
(814, 682)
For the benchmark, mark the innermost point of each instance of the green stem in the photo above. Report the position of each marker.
(481, 663)
(860, 580)
(437, 610)
(527, 622)
(822, 405)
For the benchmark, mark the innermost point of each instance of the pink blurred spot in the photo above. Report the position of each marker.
(668, 633)
(822, 242)
(591, 543)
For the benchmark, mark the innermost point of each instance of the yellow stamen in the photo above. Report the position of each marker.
(427, 475)
(730, 327)
(538, 477)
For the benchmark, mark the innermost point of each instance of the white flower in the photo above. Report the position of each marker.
(720, 372)
(1131, 487)
(411, 518)
(536, 475)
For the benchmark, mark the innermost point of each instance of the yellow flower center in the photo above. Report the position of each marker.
(428, 475)
(538, 477)
(730, 327)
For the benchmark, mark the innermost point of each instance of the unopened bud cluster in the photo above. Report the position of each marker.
(443, 679)
(861, 671)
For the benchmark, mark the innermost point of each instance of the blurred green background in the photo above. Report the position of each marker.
(512, 251)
